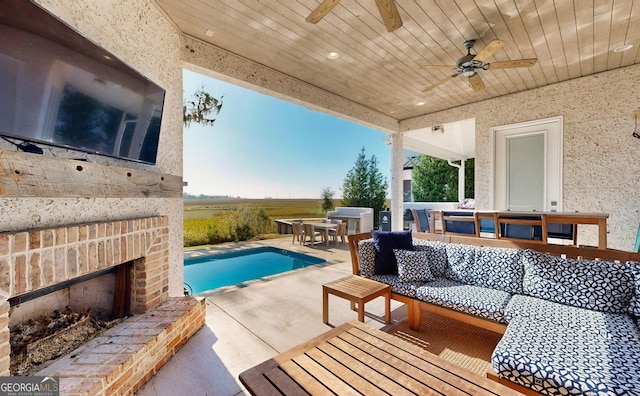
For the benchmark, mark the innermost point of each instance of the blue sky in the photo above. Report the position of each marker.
(261, 146)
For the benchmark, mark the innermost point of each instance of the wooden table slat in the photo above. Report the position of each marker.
(343, 372)
(286, 384)
(384, 384)
(304, 379)
(384, 368)
(255, 380)
(325, 376)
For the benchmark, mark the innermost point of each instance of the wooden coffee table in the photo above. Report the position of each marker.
(357, 290)
(356, 359)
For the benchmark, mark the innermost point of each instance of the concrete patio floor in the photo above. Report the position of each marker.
(249, 324)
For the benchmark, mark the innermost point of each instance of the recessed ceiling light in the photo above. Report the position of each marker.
(333, 55)
(209, 32)
(420, 104)
(623, 48)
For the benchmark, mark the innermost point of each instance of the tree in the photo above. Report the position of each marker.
(199, 107)
(365, 186)
(469, 178)
(327, 199)
(434, 180)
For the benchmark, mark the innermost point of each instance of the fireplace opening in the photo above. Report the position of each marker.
(50, 322)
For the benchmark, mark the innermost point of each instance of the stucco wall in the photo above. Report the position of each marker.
(601, 160)
(139, 34)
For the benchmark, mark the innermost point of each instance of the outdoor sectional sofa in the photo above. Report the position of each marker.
(569, 325)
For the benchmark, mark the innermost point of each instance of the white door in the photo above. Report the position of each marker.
(527, 166)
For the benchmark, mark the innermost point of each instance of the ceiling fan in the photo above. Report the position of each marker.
(469, 64)
(387, 8)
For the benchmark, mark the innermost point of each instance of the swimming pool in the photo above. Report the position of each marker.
(211, 272)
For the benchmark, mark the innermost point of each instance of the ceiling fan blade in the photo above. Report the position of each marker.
(389, 13)
(444, 80)
(489, 50)
(322, 10)
(476, 82)
(512, 63)
(437, 67)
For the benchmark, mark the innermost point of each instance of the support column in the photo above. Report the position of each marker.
(460, 178)
(396, 182)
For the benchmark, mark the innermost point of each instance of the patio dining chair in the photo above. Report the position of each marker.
(310, 233)
(298, 232)
(339, 232)
(421, 219)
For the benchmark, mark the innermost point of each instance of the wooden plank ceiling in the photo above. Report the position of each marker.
(381, 70)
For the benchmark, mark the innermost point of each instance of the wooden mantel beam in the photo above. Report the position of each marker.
(33, 175)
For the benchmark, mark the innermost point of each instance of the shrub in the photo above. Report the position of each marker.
(242, 224)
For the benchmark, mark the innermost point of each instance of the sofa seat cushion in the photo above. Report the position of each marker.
(598, 285)
(584, 321)
(555, 360)
(437, 253)
(475, 300)
(397, 286)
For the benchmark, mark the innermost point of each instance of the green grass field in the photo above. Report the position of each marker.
(213, 221)
(274, 208)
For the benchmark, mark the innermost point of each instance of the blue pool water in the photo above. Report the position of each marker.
(211, 272)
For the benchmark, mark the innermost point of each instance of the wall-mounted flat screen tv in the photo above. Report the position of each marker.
(58, 88)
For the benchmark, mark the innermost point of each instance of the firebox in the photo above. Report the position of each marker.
(112, 269)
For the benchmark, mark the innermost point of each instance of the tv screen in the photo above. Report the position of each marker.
(59, 88)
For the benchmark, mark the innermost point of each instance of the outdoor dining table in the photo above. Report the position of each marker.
(324, 228)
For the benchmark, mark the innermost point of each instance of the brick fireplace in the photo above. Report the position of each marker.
(34, 260)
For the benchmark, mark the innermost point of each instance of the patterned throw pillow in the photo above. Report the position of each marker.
(385, 242)
(599, 285)
(413, 265)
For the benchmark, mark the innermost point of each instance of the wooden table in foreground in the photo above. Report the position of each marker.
(357, 359)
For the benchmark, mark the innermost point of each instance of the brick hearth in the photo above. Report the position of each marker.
(35, 259)
(124, 358)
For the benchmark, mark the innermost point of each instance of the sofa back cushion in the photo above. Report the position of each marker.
(599, 285)
(635, 301)
(437, 254)
(494, 268)
(367, 254)
(498, 268)
(461, 262)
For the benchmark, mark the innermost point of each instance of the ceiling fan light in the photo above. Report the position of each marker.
(468, 72)
(623, 48)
